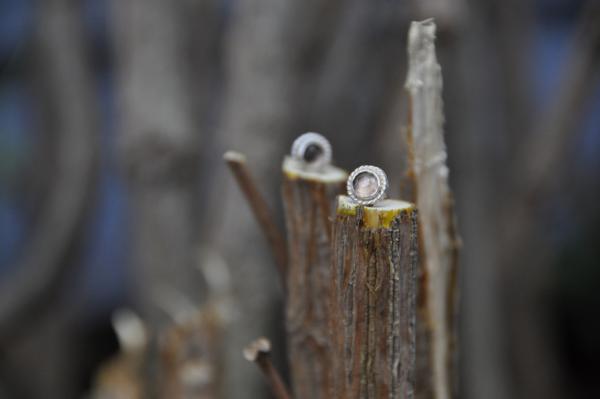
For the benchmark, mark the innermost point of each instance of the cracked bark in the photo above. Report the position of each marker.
(373, 294)
(309, 202)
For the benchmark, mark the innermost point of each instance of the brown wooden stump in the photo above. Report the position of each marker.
(309, 199)
(373, 293)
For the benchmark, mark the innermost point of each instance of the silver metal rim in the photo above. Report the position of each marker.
(302, 143)
(382, 184)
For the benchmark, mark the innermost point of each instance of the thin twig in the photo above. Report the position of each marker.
(259, 352)
(237, 164)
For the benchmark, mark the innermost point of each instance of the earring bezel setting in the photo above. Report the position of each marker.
(306, 144)
(381, 185)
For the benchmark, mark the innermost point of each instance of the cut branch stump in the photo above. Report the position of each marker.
(373, 294)
(260, 208)
(309, 199)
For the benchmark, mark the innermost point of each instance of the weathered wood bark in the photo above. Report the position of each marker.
(373, 294)
(309, 200)
(437, 231)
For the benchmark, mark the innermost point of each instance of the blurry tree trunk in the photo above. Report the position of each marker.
(34, 316)
(67, 108)
(264, 71)
(473, 109)
(373, 294)
(487, 115)
(254, 119)
(359, 69)
(159, 151)
(491, 124)
(536, 179)
(475, 112)
(309, 200)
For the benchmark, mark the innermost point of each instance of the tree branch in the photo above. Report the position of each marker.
(437, 227)
(260, 208)
(259, 352)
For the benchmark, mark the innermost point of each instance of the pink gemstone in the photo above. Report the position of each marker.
(365, 185)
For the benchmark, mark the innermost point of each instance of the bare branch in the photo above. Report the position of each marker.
(259, 352)
(437, 230)
(260, 208)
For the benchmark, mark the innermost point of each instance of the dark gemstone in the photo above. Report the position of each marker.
(313, 151)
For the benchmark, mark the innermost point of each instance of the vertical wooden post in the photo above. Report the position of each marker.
(309, 201)
(373, 293)
(438, 291)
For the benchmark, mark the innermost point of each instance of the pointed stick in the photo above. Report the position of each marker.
(438, 292)
(259, 352)
(237, 164)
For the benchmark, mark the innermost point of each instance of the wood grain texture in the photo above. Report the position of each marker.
(436, 340)
(309, 200)
(373, 294)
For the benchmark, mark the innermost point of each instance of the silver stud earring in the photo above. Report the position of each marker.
(367, 184)
(313, 149)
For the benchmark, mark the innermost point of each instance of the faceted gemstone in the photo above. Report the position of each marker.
(365, 185)
(312, 152)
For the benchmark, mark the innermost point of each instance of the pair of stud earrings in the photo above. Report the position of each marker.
(366, 185)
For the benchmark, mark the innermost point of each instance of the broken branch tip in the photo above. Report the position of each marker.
(260, 346)
(234, 156)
